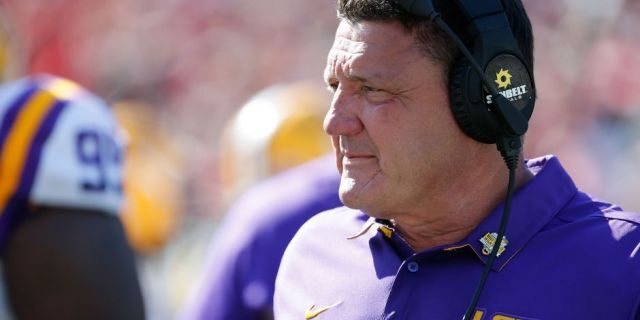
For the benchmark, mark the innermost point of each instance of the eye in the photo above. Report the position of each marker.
(369, 89)
(376, 95)
(332, 86)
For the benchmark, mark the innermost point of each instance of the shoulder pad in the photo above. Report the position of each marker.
(59, 146)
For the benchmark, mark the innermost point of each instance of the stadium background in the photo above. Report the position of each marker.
(186, 66)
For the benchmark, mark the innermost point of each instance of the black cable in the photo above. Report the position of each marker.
(509, 144)
(512, 164)
(509, 147)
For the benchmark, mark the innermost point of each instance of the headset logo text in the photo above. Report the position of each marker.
(503, 80)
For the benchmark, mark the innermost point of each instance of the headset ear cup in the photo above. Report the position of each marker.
(475, 126)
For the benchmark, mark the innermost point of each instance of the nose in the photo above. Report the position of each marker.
(343, 119)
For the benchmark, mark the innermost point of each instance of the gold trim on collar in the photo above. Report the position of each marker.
(388, 232)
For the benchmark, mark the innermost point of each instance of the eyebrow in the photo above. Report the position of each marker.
(358, 77)
(364, 78)
(350, 76)
(353, 78)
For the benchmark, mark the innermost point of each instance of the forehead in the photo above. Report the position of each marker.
(372, 40)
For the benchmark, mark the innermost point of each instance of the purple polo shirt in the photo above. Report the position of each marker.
(568, 256)
(243, 261)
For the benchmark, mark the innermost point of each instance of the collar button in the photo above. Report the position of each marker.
(413, 267)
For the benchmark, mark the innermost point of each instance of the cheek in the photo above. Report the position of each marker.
(384, 123)
(390, 133)
(406, 137)
(391, 125)
(389, 113)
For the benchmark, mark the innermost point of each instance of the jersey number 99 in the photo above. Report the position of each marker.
(102, 156)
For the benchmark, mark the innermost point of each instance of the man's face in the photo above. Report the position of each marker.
(390, 122)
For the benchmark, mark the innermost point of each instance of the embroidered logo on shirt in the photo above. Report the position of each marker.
(479, 315)
(489, 239)
(312, 312)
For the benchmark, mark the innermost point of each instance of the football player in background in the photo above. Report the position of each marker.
(63, 249)
(267, 153)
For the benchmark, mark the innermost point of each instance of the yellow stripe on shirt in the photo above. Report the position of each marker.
(18, 143)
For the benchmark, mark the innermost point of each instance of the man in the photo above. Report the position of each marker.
(63, 249)
(425, 191)
(287, 189)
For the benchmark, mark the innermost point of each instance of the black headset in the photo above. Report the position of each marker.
(493, 64)
(496, 51)
(491, 90)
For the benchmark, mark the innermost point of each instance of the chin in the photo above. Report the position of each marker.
(351, 199)
(348, 200)
(367, 205)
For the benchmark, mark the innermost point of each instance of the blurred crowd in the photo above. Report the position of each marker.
(177, 71)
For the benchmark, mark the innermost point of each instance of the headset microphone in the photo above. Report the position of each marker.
(494, 120)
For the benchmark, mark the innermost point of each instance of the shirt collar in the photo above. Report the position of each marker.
(533, 206)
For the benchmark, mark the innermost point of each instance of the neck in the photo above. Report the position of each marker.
(458, 209)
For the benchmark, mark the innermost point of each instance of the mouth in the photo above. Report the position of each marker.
(354, 158)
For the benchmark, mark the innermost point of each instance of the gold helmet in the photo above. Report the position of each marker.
(279, 127)
(152, 177)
